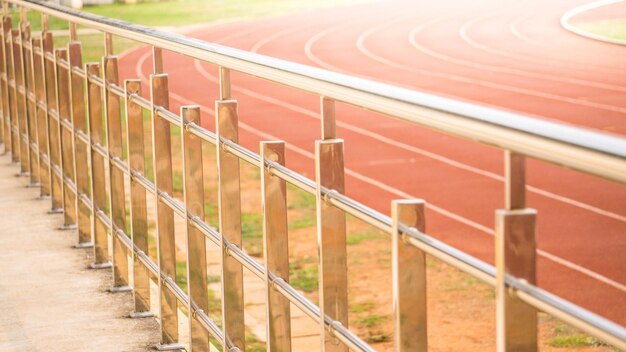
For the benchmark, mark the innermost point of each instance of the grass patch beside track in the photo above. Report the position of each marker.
(614, 29)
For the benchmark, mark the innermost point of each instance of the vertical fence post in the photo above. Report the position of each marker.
(98, 186)
(138, 205)
(162, 154)
(229, 200)
(31, 118)
(66, 140)
(117, 191)
(331, 228)
(276, 246)
(20, 99)
(56, 188)
(41, 116)
(516, 321)
(79, 119)
(4, 83)
(196, 246)
(15, 137)
(409, 279)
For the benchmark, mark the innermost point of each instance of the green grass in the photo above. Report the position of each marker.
(568, 337)
(252, 233)
(185, 12)
(358, 237)
(303, 275)
(615, 29)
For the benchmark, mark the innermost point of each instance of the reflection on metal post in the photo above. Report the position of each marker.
(331, 240)
(161, 152)
(49, 66)
(276, 246)
(116, 176)
(409, 279)
(196, 242)
(18, 70)
(229, 199)
(515, 257)
(138, 205)
(41, 115)
(81, 160)
(98, 187)
(66, 139)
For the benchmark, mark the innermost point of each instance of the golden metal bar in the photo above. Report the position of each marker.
(138, 204)
(331, 240)
(54, 153)
(157, 60)
(116, 177)
(193, 187)
(41, 116)
(81, 149)
(162, 161)
(276, 246)
(409, 279)
(20, 102)
(225, 85)
(30, 113)
(72, 32)
(4, 86)
(229, 199)
(66, 138)
(515, 181)
(516, 321)
(108, 44)
(329, 126)
(97, 161)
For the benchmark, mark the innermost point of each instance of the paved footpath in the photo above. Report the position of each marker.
(49, 300)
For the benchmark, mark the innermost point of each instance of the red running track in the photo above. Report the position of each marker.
(507, 54)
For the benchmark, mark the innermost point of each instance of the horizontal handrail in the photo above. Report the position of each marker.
(596, 153)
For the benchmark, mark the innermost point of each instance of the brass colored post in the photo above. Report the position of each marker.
(116, 176)
(81, 158)
(21, 119)
(30, 115)
(157, 60)
(56, 188)
(12, 91)
(41, 116)
(276, 246)
(225, 87)
(66, 140)
(196, 242)
(4, 84)
(138, 205)
(161, 152)
(516, 321)
(98, 186)
(331, 240)
(229, 199)
(409, 279)
(329, 126)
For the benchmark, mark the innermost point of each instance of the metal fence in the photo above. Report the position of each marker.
(61, 119)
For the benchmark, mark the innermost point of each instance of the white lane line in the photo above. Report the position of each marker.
(463, 79)
(383, 186)
(412, 37)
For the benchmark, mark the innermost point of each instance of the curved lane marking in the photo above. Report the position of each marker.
(412, 37)
(463, 79)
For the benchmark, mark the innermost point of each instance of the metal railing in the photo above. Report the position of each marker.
(58, 112)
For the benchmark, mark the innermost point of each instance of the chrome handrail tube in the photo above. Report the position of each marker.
(595, 153)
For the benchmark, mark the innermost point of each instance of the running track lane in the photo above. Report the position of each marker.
(504, 54)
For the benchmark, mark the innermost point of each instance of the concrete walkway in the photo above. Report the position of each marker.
(49, 300)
